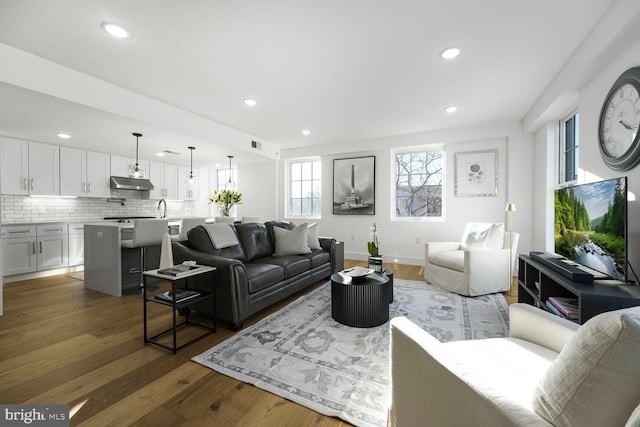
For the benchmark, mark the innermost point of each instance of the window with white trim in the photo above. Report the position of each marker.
(419, 179)
(305, 188)
(223, 179)
(568, 153)
(224, 183)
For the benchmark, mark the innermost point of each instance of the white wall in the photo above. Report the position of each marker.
(399, 237)
(259, 185)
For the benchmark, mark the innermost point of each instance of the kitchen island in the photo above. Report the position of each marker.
(108, 267)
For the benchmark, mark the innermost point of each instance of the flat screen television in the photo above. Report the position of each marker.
(590, 226)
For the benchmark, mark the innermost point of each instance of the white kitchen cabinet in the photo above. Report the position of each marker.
(84, 173)
(14, 166)
(122, 166)
(52, 246)
(29, 248)
(29, 168)
(164, 178)
(19, 249)
(76, 244)
(187, 190)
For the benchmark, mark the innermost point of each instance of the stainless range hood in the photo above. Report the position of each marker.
(128, 183)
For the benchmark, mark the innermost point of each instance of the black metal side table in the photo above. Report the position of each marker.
(360, 302)
(178, 305)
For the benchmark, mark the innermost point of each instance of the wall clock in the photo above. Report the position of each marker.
(619, 118)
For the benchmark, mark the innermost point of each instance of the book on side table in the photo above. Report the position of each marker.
(177, 270)
(181, 295)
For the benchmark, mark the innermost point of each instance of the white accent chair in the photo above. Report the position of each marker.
(548, 372)
(477, 265)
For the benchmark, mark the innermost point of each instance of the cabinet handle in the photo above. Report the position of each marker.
(19, 231)
(33, 247)
(40, 247)
(33, 185)
(53, 229)
(89, 188)
(25, 184)
(84, 187)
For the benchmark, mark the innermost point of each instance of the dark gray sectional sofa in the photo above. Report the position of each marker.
(250, 277)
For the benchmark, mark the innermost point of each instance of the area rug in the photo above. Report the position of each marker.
(302, 354)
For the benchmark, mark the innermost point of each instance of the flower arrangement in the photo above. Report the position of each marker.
(373, 244)
(225, 199)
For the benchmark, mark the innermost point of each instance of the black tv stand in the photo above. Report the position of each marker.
(537, 282)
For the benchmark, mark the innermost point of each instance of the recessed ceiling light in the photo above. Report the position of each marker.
(63, 135)
(306, 132)
(451, 109)
(160, 154)
(116, 30)
(250, 102)
(450, 53)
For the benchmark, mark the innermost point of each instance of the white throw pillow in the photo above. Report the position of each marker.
(313, 232)
(483, 236)
(595, 381)
(291, 242)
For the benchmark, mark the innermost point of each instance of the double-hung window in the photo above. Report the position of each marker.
(568, 153)
(419, 179)
(305, 188)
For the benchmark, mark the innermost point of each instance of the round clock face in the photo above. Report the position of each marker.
(619, 120)
(620, 123)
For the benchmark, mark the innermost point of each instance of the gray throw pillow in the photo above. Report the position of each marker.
(312, 236)
(291, 242)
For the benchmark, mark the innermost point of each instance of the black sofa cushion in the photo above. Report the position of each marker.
(292, 264)
(318, 257)
(255, 240)
(262, 276)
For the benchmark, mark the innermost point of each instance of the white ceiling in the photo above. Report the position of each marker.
(345, 69)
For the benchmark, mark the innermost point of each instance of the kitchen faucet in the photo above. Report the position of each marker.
(162, 207)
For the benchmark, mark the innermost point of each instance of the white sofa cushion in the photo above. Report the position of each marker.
(595, 381)
(504, 371)
(453, 260)
(483, 235)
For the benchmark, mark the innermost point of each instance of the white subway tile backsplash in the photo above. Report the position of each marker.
(38, 209)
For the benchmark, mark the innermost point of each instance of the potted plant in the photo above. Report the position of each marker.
(225, 199)
(373, 245)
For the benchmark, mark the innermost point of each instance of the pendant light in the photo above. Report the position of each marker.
(136, 172)
(191, 177)
(230, 184)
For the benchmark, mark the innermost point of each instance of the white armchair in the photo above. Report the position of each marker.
(549, 371)
(477, 265)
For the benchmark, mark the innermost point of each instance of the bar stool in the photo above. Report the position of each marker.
(187, 224)
(146, 232)
(225, 220)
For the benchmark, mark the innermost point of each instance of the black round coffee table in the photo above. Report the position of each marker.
(360, 302)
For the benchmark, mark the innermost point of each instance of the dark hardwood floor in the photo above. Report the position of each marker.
(63, 344)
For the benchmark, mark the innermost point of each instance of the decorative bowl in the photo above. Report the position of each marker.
(358, 271)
